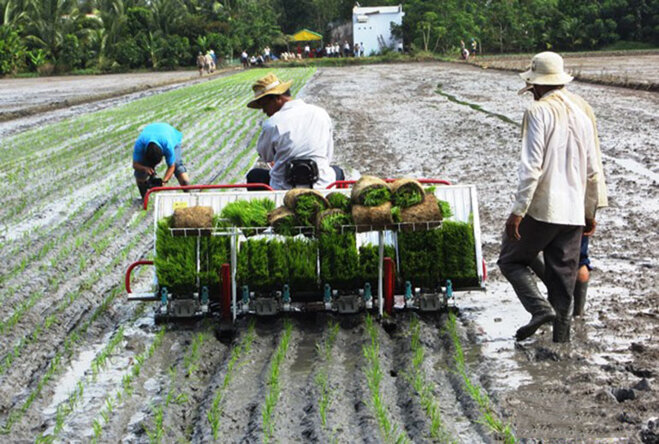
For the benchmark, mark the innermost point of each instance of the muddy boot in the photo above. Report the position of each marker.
(534, 324)
(561, 332)
(580, 290)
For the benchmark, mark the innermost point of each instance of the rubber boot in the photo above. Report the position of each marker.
(561, 331)
(580, 291)
(527, 291)
(142, 186)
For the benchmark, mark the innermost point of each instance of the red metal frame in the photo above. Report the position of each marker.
(204, 187)
(129, 271)
(347, 183)
(389, 279)
(225, 280)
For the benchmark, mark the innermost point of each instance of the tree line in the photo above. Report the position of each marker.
(117, 35)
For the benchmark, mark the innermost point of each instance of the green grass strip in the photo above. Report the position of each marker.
(390, 431)
(488, 416)
(274, 388)
(237, 353)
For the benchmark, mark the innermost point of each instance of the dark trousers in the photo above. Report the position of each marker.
(560, 245)
(261, 175)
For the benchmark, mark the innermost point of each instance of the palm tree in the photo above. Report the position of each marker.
(48, 21)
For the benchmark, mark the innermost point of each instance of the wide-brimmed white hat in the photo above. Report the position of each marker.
(264, 86)
(546, 69)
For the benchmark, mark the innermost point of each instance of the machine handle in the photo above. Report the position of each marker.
(130, 270)
(204, 187)
(346, 183)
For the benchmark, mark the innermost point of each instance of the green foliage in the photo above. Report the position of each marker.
(340, 201)
(176, 259)
(12, 50)
(396, 214)
(248, 213)
(266, 264)
(376, 196)
(369, 261)
(339, 260)
(444, 209)
(405, 197)
(307, 207)
(429, 258)
(332, 224)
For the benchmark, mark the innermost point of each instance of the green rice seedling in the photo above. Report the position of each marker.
(277, 264)
(420, 257)
(424, 388)
(340, 201)
(158, 432)
(374, 375)
(248, 213)
(339, 260)
(376, 196)
(369, 257)
(238, 353)
(445, 209)
(274, 388)
(307, 207)
(322, 377)
(332, 224)
(458, 253)
(406, 197)
(302, 256)
(396, 215)
(253, 264)
(488, 415)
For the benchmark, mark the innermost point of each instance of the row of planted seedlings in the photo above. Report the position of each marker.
(83, 259)
(33, 337)
(182, 114)
(19, 267)
(489, 415)
(73, 339)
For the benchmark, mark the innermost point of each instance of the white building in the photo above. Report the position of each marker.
(372, 27)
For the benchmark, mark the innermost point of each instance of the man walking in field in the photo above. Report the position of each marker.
(556, 196)
(294, 130)
(158, 140)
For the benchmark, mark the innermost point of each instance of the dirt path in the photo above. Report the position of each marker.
(78, 362)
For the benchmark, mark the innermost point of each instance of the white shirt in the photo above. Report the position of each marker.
(558, 172)
(297, 131)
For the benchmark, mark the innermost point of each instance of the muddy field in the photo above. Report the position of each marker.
(79, 364)
(638, 71)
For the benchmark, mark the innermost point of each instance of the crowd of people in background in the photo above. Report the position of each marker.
(332, 49)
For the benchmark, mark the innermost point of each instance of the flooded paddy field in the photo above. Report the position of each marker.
(79, 364)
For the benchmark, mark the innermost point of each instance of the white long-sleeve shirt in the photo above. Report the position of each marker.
(558, 171)
(297, 131)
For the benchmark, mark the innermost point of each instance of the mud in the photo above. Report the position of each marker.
(450, 121)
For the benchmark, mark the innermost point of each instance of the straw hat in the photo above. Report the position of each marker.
(269, 84)
(546, 69)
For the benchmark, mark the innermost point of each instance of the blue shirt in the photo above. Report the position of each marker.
(162, 134)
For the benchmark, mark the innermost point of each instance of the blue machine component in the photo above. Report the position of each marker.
(204, 295)
(328, 293)
(449, 289)
(408, 290)
(367, 291)
(245, 291)
(286, 296)
(163, 296)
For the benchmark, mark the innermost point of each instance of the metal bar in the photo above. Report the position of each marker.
(234, 263)
(380, 271)
(480, 264)
(144, 297)
(198, 262)
(204, 187)
(130, 270)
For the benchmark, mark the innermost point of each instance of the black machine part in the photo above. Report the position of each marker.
(153, 181)
(302, 172)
